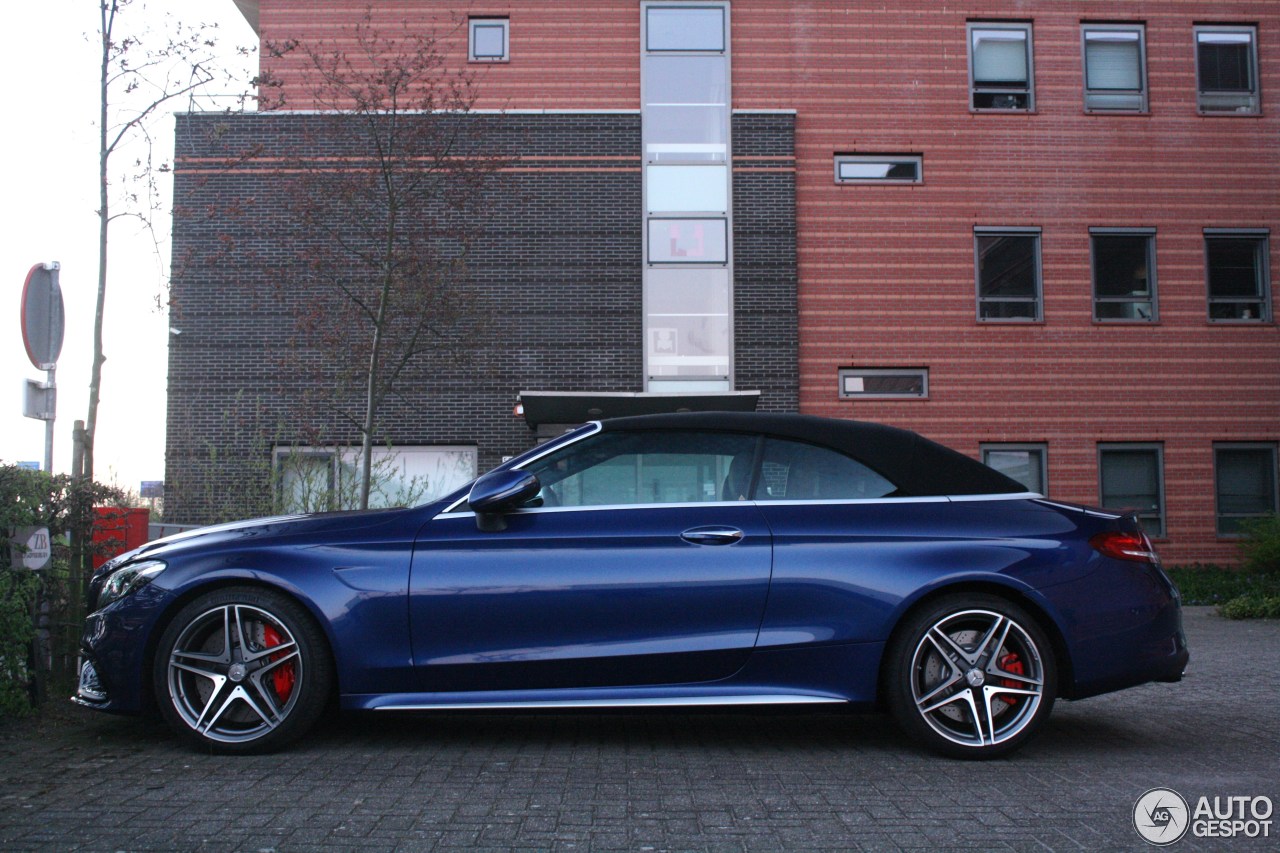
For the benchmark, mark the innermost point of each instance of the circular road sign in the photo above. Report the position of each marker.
(42, 315)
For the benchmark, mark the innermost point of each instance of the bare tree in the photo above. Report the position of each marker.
(386, 217)
(143, 74)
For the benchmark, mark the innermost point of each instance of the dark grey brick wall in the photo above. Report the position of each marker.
(556, 274)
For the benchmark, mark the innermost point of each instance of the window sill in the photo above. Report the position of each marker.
(1098, 322)
(1120, 113)
(995, 112)
(1228, 114)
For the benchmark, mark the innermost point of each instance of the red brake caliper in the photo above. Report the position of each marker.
(284, 677)
(1013, 664)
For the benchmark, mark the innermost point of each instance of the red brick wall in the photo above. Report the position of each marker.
(886, 273)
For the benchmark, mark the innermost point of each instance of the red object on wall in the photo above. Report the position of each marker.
(116, 530)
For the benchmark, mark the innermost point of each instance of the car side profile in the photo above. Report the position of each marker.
(709, 559)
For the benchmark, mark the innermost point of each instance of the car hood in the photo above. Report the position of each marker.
(256, 530)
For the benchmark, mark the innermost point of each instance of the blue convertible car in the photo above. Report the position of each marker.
(668, 560)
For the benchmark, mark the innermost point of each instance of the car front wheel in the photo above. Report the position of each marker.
(970, 676)
(242, 670)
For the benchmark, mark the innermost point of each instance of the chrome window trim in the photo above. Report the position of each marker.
(553, 446)
(930, 499)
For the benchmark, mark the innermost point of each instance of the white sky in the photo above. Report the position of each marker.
(50, 199)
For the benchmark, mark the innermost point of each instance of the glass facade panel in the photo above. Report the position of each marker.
(688, 241)
(687, 28)
(687, 314)
(687, 189)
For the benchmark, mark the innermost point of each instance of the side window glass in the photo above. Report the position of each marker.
(793, 471)
(648, 467)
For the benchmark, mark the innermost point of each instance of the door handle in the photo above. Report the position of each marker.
(712, 535)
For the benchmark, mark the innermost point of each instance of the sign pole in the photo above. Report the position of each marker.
(48, 424)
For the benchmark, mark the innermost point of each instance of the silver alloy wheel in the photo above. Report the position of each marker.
(235, 673)
(977, 678)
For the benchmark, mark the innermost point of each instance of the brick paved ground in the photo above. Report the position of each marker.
(687, 781)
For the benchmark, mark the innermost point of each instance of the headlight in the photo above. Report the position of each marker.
(128, 579)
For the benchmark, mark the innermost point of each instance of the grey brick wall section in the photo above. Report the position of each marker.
(558, 271)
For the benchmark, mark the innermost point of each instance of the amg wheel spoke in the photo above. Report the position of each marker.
(289, 646)
(994, 670)
(208, 670)
(216, 697)
(271, 720)
(948, 647)
(1000, 627)
(927, 705)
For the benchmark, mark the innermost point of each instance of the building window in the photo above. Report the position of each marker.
(1124, 275)
(1236, 264)
(680, 28)
(1026, 463)
(1115, 67)
(322, 479)
(1245, 483)
(1227, 69)
(488, 41)
(884, 382)
(1000, 64)
(1007, 261)
(879, 168)
(1131, 478)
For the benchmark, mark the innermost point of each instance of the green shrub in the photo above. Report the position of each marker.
(65, 507)
(17, 596)
(1253, 606)
(1261, 545)
(1202, 584)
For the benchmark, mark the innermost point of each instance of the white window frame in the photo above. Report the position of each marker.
(846, 373)
(916, 160)
(975, 88)
(1125, 100)
(498, 22)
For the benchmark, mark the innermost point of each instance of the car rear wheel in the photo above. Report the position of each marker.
(242, 670)
(970, 676)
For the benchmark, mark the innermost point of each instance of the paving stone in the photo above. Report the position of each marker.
(690, 781)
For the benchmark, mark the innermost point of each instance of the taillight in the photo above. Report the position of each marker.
(1135, 547)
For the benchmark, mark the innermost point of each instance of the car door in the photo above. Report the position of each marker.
(639, 563)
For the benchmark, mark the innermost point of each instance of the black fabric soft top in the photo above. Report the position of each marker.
(917, 466)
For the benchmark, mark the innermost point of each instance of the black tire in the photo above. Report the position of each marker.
(970, 676)
(219, 684)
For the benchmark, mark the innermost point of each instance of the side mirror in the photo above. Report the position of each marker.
(498, 491)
